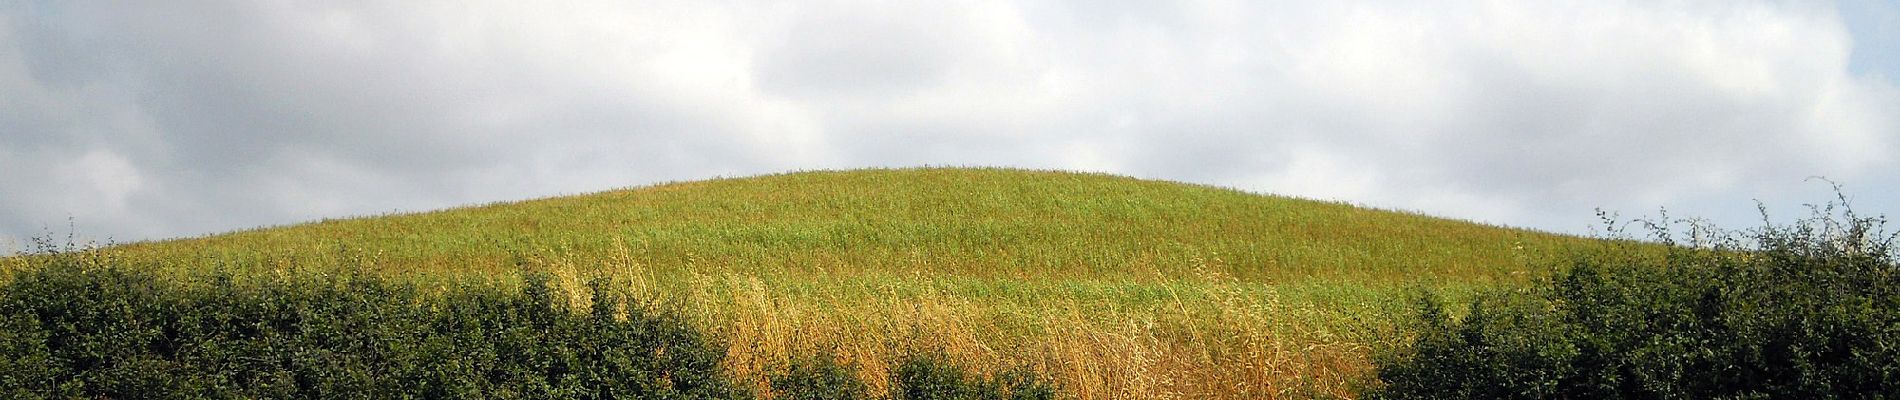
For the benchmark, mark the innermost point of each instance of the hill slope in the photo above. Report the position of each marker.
(971, 222)
(1115, 287)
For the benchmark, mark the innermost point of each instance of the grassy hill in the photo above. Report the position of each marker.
(1115, 287)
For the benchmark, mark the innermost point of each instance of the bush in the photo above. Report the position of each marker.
(1807, 310)
(72, 328)
(819, 378)
(932, 376)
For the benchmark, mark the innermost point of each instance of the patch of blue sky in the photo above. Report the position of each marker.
(1875, 25)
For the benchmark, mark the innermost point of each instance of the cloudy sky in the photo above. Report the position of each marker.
(152, 119)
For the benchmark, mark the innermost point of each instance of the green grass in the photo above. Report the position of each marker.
(1113, 286)
(944, 222)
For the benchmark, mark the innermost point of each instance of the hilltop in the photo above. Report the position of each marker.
(962, 222)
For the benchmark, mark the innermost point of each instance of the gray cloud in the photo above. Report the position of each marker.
(156, 120)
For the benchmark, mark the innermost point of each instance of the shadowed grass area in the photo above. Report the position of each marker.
(1114, 287)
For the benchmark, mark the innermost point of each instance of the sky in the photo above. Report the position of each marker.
(144, 120)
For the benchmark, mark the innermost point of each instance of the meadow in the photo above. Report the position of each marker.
(1111, 287)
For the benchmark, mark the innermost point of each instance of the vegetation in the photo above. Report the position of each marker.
(818, 378)
(954, 284)
(1808, 310)
(75, 327)
(935, 377)
(1107, 287)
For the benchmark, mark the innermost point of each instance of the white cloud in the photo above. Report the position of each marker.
(109, 178)
(1322, 174)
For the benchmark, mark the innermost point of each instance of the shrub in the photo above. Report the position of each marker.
(931, 376)
(74, 328)
(818, 378)
(1807, 310)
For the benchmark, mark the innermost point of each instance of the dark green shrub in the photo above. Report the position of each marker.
(78, 328)
(1808, 310)
(932, 376)
(818, 378)
(1021, 384)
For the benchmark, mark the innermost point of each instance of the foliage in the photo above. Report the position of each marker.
(1806, 310)
(818, 378)
(932, 376)
(80, 329)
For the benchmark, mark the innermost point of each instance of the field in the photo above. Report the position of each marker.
(1112, 287)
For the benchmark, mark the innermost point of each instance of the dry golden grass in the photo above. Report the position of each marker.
(1218, 340)
(1114, 287)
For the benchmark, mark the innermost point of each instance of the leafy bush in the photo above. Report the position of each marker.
(72, 328)
(932, 376)
(819, 378)
(1806, 310)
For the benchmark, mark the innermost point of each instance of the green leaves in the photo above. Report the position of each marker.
(931, 376)
(1803, 311)
(74, 329)
(819, 378)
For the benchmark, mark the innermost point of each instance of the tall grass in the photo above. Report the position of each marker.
(1113, 287)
